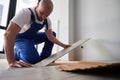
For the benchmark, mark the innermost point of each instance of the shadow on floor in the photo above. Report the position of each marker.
(111, 72)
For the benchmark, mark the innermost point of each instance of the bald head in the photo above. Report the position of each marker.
(43, 9)
(47, 4)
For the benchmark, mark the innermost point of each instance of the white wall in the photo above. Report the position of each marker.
(60, 13)
(100, 20)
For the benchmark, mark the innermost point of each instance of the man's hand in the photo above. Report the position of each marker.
(19, 64)
(66, 46)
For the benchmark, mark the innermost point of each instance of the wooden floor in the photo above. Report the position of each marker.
(52, 73)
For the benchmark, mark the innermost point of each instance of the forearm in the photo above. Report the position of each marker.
(53, 39)
(56, 41)
(9, 39)
(9, 48)
(9, 51)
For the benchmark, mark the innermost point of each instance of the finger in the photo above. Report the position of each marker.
(25, 64)
(16, 65)
(19, 64)
(67, 46)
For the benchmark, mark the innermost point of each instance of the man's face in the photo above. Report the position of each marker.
(42, 12)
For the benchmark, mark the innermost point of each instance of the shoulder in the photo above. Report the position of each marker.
(48, 20)
(22, 17)
(24, 11)
(49, 23)
(31, 10)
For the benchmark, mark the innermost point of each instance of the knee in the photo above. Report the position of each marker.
(54, 33)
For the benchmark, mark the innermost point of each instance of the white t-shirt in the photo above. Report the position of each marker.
(23, 19)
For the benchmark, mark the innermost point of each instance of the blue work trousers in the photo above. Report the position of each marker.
(26, 51)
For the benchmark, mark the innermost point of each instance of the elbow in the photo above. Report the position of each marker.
(7, 36)
(52, 37)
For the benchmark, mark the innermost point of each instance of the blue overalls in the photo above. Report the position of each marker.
(25, 43)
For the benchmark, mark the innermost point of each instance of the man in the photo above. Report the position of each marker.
(23, 33)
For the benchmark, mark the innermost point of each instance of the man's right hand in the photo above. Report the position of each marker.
(19, 64)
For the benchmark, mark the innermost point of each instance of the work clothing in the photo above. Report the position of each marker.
(25, 42)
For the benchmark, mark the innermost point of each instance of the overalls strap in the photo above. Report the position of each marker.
(32, 15)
